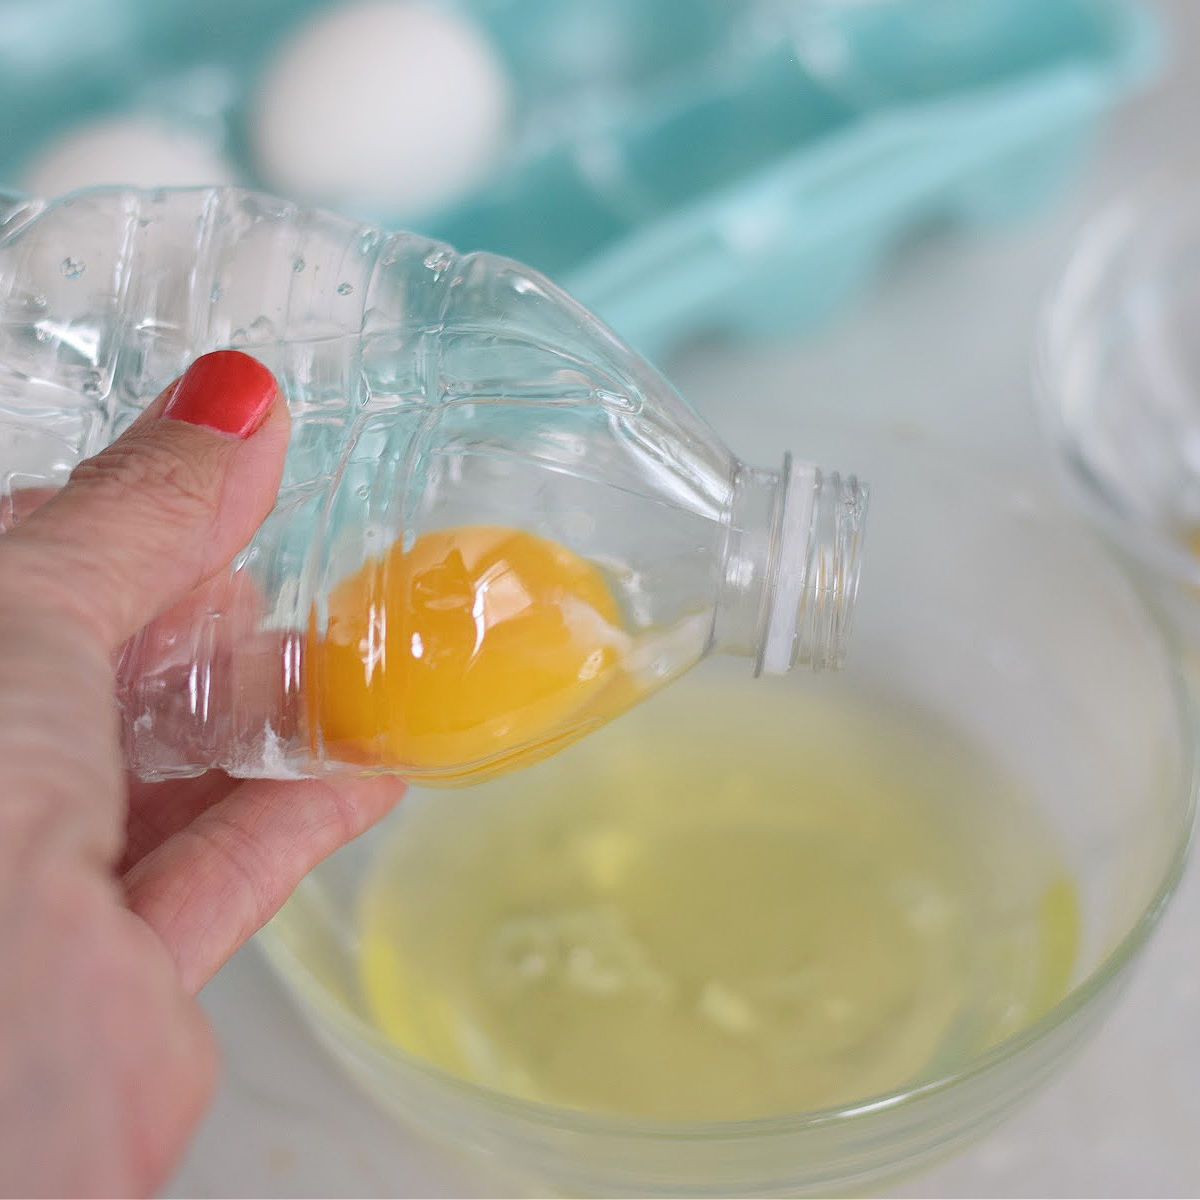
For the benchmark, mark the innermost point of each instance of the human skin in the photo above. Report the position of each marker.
(119, 900)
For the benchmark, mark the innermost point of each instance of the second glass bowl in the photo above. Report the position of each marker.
(1119, 375)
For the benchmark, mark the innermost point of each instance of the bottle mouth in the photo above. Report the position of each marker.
(817, 557)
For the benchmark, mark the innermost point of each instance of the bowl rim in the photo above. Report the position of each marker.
(1182, 685)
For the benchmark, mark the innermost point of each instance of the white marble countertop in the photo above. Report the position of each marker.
(944, 344)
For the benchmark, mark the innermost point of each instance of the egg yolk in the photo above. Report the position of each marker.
(478, 649)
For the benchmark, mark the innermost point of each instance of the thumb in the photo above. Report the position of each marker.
(164, 507)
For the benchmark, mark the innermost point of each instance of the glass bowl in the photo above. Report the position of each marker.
(983, 603)
(1118, 373)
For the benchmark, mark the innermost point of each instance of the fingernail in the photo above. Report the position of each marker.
(226, 390)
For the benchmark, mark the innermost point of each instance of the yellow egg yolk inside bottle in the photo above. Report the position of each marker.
(477, 650)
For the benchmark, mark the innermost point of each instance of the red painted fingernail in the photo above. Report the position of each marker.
(227, 390)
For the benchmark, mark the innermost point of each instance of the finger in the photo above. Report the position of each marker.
(213, 884)
(164, 507)
(17, 506)
(158, 811)
(60, 777)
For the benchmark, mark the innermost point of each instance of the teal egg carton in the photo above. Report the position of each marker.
(683, 167)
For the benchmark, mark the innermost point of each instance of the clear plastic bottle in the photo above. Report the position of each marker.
(468, 445)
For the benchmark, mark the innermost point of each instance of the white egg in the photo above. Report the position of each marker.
(396, 106)
(136, 151)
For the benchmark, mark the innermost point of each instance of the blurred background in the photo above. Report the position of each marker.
(686, 168)
(828, 211)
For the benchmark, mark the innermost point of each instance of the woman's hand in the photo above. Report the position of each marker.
(119, 900)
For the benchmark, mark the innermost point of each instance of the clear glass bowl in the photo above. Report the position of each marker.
(982, 602)
(1119, 378)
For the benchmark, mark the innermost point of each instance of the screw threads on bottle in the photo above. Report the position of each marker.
(789, 575)
(814, 578)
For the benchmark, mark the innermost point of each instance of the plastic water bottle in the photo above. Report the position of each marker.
(445, 409)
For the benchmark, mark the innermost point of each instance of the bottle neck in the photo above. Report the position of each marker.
(790, 573)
